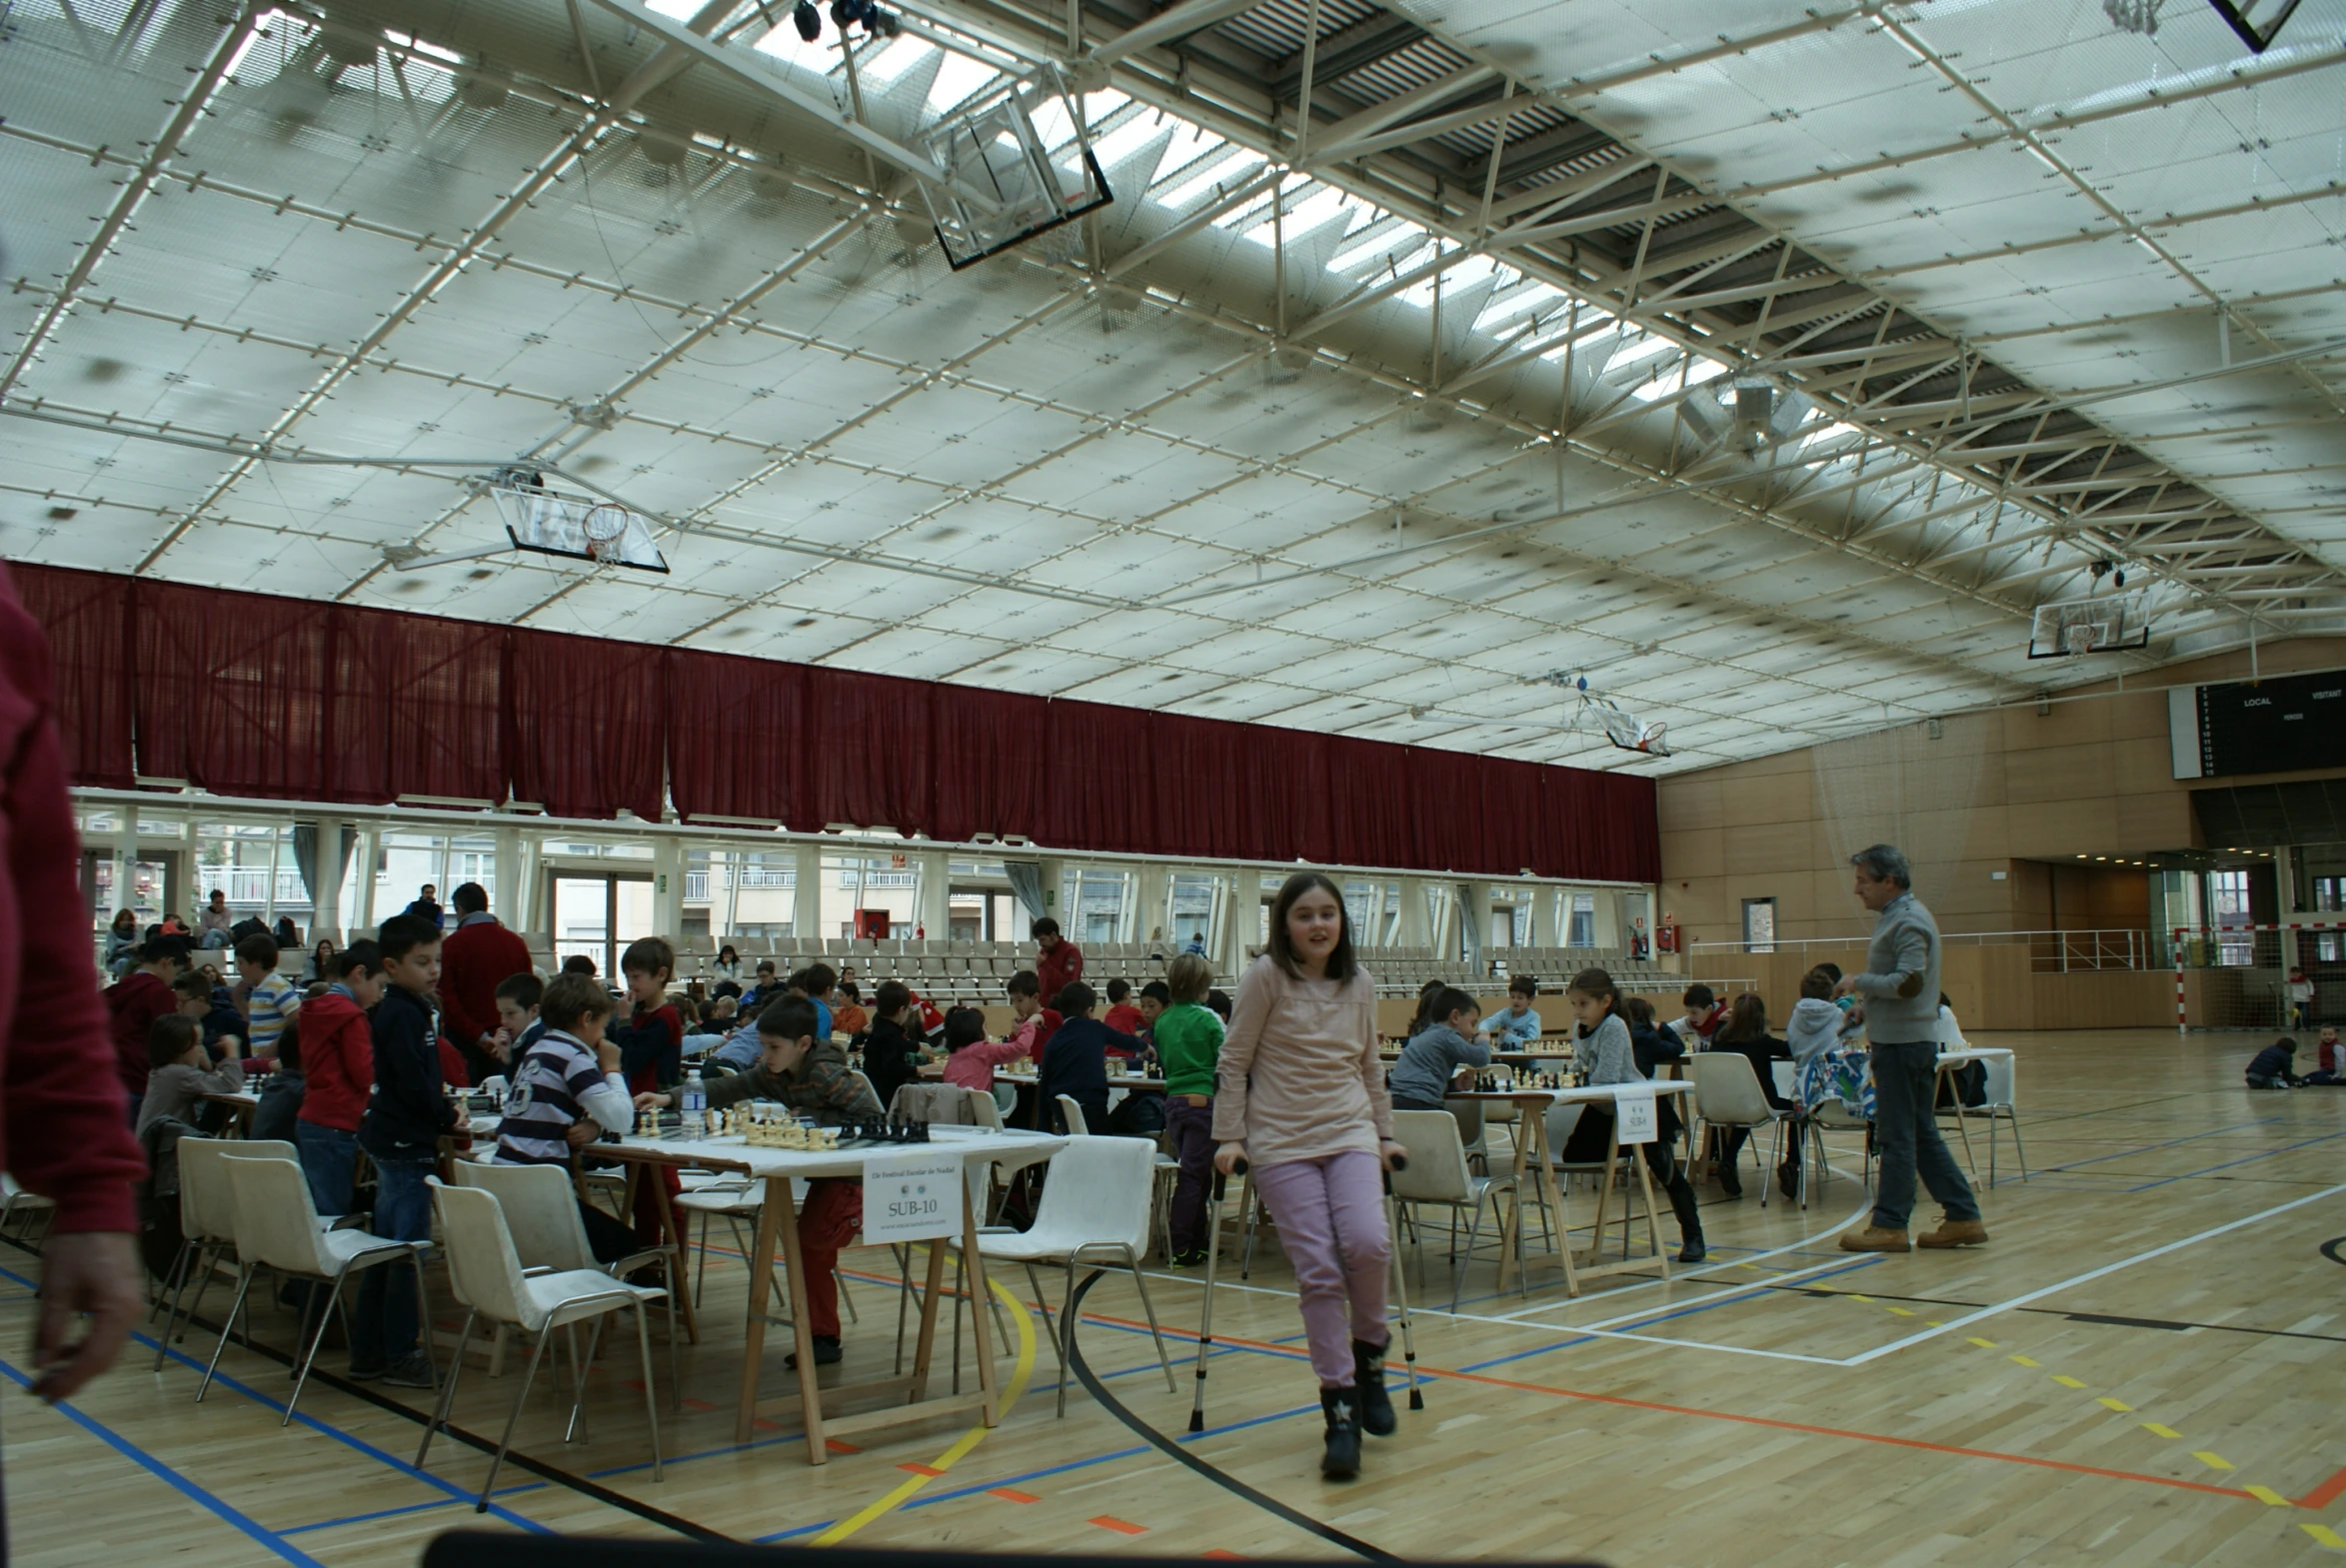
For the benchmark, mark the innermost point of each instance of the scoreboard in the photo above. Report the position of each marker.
(2283, 725)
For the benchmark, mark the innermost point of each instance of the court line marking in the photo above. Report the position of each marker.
(211, 1502)
(2251, 1159)
(904, 1491)
(2091, 1275)
(2262, 1122)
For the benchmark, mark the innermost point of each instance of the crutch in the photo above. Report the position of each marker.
(1401, 1284)
(1212, 1258)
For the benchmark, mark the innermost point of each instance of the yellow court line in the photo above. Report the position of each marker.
(2114, 1404)
(2157, 1430)
(2211, 1460)
(2269, 1497)
(968, 1441)
(2324, 1534)
(2066, 1381)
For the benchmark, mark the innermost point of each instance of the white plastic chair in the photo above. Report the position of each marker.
(486, 1275)
(2000, 1105)
(1727, 1094)
(277, 1227)
(1097, 1200)
(542, 1214)
(207, 1222)
(15, 1200)
(1073, 1114)
(1436, 1173)
(1831, 1115)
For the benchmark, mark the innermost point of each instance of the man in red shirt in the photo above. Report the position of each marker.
(1058, 963)
(476, 957)
(63, 1131)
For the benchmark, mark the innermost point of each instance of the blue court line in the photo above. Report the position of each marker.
(411, 1508)
(2249, 1160)
(172, 1478)
(2262, 1122)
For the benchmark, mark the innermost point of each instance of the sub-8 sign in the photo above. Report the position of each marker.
(911, 1195)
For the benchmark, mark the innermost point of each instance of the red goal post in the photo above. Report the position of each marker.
(2236, 976)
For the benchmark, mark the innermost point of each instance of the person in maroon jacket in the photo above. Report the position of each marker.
(135, 1001)
(64, 1133)
(474, 959)
(1058, 963)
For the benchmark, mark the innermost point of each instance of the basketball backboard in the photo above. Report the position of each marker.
(2105, 624)
(582, 528)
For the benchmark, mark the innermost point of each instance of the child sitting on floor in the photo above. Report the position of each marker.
(2274, 1067)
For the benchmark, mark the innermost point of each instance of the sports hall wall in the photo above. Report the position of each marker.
(257, 695)
(1994, 812)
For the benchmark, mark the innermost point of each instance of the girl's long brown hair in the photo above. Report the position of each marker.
(1595, 982)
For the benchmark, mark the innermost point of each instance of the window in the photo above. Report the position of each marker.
(1759, 926)
(1580, 927)
(2227, 897)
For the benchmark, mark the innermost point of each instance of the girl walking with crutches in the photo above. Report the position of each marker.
(1301, 1099)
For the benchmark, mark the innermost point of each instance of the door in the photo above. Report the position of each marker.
(598, 914)
(1759, 926)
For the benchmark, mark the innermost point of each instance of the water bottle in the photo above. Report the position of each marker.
(696, 1105)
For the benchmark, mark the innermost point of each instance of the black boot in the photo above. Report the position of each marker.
(1342, 1461)
(1374, 1405)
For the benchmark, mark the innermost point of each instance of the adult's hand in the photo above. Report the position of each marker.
(92, 1271)
(1848, 987)
(1226, 1157)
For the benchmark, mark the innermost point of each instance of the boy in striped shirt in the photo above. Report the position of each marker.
(269, 1001)
(567, 1090)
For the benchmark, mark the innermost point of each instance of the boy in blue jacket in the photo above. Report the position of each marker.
(406, 1115)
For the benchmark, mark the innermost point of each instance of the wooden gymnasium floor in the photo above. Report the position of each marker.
(2143, 1367)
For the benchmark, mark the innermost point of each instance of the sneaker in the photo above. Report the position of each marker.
(1873, 1238)
(1194, 1258)
(1788, 1179)
(827, 1353)
(364, 1371)
(1376, 1407)
(1692, 1252)
(414, 1372)
(1955, 1233)
(1340, 1461)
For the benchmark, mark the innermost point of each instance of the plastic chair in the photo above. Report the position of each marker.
(486, 1275)
(277, 1227)
(15, 1200)
(207, 1222)
(1727, 1094)
(1436, 1173)
(1831, 1116)
(542, 1214)
(1097, 1200)
(2000, 1106)
(1073, 1114)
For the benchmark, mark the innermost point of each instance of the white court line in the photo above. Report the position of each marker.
(2091, 1275)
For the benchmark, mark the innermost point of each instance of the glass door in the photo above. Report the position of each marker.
(598, 914)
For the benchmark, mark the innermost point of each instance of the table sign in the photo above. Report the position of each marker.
(1635, 1119)
(911, 1195)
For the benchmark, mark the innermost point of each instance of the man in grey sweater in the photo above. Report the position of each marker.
(1901, 991)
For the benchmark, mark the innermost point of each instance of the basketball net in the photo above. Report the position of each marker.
(2134, 16)
(2079, 636)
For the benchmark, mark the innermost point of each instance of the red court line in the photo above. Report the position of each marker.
(2326, 1493)
(1011, 1495)
(838, 1448)
(1217, 1552)
(1119, 1526)
(928, 1470)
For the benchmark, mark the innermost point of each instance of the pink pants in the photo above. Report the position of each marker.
(1330, 1218)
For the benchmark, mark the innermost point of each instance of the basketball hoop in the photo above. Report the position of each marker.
(581, 528)
(2105, 624)
(602, 526)
(2134, 16)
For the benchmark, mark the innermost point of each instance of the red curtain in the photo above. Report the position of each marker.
(870, 758)
(737, 736)
(246, 693)
(232, 690)
(990, 758)
(87, 618)
(586, 725)
(418, 710)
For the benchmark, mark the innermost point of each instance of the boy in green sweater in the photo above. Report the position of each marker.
(1188, 1044)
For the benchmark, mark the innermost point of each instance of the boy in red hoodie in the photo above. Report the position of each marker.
(338, 1058)
(135, 1001)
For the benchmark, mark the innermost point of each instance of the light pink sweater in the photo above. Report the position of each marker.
(1299, 1076)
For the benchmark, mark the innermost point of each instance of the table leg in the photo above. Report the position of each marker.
(769, 1216)
(674, 1234)
(802, 1321)
(1946, 1083)
(932, 1292)
(981, 1310)
(1652, 1221)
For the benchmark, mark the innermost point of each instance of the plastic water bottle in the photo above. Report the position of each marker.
(696, 1105)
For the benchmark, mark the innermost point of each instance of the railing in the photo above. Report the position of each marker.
(250, 884)
(2049, 953)
(699, 883)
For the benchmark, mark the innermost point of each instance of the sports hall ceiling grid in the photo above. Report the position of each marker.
(1766, 373)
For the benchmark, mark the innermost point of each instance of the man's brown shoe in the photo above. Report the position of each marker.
(1873, 1238)
(1955, 1233)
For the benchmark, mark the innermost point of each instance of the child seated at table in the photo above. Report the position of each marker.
(971, 1059)
(1438, 1056)
(180, 1072)
(1122, 1015)
(279, 1113)
(222, 1025)
(1603, 1054)
(891, 1058)
(1516, 1026)
(1075, 1064)
(812, 1076)
(567, 1090)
